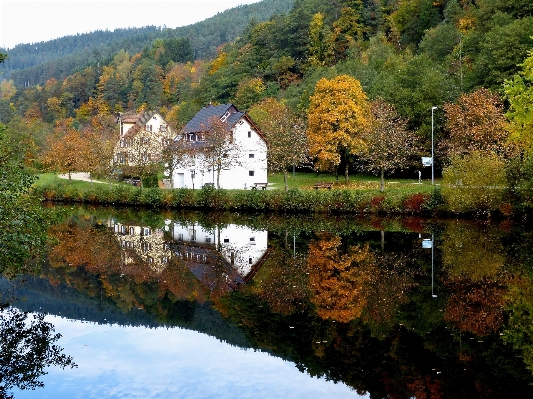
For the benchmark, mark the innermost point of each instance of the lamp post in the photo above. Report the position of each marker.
(432, 149)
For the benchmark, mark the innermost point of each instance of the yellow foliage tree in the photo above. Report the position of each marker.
(338, 117)
(338, 280)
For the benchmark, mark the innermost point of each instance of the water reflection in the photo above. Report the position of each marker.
(360, 302)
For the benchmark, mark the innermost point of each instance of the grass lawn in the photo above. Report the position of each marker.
(305, 181)
(300, 180)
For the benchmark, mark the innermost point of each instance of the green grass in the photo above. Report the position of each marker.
(299, 180)
(305, 181)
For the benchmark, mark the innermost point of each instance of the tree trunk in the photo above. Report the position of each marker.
(285, 179)
(382, 182)
(219, 168)
(346, 176)
(346, 168)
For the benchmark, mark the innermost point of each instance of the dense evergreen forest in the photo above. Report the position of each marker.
(467, 58)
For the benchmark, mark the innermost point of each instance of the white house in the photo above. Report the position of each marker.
(143, 136)
(248, 166)
(142, 245)
(242, 248)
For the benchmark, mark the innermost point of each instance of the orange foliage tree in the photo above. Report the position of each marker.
(338, 280)
(338, 116)
(64, 148)
(476, 123)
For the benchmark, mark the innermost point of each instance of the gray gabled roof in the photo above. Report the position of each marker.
(201, 121)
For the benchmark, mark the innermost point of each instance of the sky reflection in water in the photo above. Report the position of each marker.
(136, 362)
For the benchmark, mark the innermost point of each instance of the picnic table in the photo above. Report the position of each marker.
(323, 185)
(262, 186)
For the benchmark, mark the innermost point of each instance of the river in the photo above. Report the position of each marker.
(198, 305)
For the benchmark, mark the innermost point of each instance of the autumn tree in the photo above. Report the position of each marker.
(475, 123)
(64, 148)
(100, 141)
(338, 279)
(338, 117)
(390, 144)
(287, 141)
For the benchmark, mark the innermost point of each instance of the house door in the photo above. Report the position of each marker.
(181, 180)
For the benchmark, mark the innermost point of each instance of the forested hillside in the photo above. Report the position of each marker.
(35, 63)
(349, 71)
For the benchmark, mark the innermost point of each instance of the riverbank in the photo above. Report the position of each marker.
(411, 199)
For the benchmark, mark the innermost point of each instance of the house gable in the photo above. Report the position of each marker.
(146, 129)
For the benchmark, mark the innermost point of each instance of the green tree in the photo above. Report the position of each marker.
(27, 347)
(338, 117)
(519, 93)
(475, 182)
(23, 235)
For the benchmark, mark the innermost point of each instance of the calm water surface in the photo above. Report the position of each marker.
(188, 305)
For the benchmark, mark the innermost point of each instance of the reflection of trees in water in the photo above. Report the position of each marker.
(470, 249)
(337, 279)
(475, 306)
(282, 281)
(27, 347)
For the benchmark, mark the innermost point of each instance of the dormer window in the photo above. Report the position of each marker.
(225, 116)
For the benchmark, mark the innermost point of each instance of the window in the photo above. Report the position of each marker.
(225, 116)
(132, 231)
(148, 128)
(249, 133)
(147, 231)
(252, 240)
(164, 260)
(208, 239)
(250, 261)
(226, 240)
(150, 260)
(146, 246)
(251, 173)
(121, 143)
(251, 155)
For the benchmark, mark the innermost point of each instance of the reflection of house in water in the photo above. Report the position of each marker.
(221, 257)
(144, 243)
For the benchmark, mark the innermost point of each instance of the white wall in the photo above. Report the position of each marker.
(237, 177)
(240, 243)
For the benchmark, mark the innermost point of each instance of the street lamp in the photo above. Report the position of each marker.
(432, 149)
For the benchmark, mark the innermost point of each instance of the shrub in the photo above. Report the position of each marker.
(414, 203)
(475, 183)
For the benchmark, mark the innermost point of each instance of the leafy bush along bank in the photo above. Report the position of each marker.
(393, 202)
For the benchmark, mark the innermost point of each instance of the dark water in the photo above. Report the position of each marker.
(188, 305)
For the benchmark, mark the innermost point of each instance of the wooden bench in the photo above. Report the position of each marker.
(323, 185)
(263, 186)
